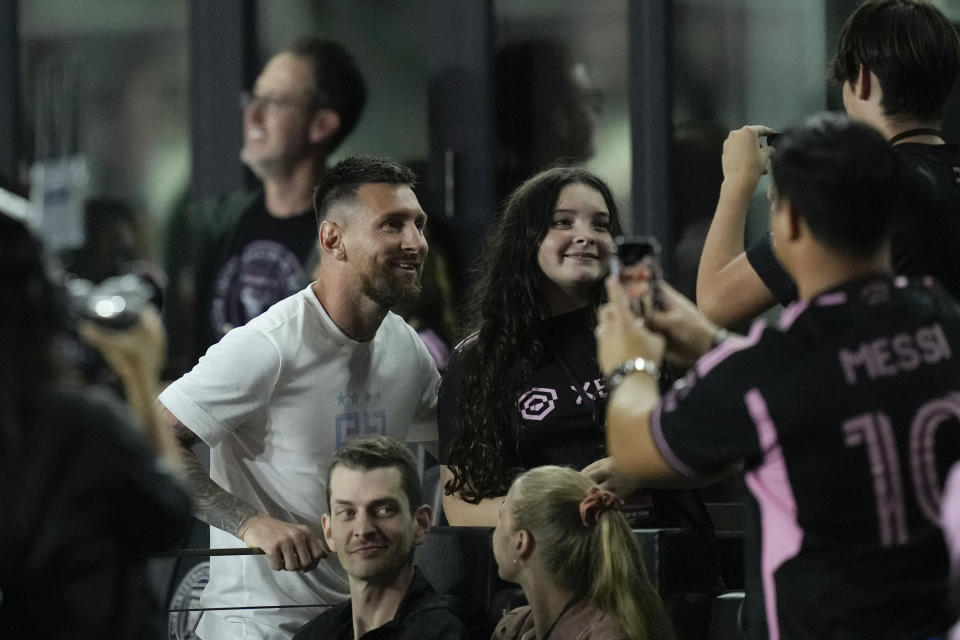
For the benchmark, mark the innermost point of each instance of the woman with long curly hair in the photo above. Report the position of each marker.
(524, 388)
(563, 540)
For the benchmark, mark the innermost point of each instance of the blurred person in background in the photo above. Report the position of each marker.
(253, 248)
(112, 247)
(546, 110)
(85, 497)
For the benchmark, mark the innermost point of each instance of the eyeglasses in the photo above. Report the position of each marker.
(276, 103)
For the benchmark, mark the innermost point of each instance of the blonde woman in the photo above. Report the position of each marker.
(564, 541)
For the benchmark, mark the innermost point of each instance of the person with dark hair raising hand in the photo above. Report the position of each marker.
(844, 417)
(896, 63)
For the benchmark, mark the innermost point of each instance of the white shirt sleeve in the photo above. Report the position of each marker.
(229, 387)
(423, 428)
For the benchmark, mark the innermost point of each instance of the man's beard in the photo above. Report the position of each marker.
(385, 287)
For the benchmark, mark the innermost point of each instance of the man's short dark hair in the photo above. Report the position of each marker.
(910, 46)
(339, 83)
(375, 452)
(841, 177)
(341, 182)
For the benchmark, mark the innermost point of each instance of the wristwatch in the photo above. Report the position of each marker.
(627, 367)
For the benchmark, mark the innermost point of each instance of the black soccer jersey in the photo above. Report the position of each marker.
(926, 228)
(847, 418)
(926, 237)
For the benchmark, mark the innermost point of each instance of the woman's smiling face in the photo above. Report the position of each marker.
(573, 254)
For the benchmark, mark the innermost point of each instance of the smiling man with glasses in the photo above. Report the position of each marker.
(252, 248)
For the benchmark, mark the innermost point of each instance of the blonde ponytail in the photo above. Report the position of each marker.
(597, 558)
(620, 585)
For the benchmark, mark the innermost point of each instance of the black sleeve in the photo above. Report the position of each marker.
(771, 272)
(703, 424)
(915, 227)
(448, 404)
(155, 505)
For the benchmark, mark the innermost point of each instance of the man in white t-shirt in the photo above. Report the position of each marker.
(276, 397)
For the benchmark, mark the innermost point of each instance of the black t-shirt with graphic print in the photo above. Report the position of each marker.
(265, 265)
(559, 420)
(846, 418)
(926, 229)
(560, 410)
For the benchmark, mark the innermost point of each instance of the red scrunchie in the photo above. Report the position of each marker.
(595, 503)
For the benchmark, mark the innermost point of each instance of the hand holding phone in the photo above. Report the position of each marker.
(636, 262)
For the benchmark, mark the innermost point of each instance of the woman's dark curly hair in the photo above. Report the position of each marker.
(507, 305)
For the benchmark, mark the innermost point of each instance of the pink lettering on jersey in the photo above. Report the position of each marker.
(888, 356)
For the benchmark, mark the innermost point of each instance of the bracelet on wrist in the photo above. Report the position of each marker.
(634, 365)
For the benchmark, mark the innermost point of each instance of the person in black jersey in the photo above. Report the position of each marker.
(524, 388)
(896, 63)
(843, 417)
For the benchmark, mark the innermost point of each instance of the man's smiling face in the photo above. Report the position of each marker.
(370, 525)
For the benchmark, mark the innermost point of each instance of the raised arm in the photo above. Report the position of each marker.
(679, 332)
(136, 356)
(729, 291)
(461, 513)
(290, 546)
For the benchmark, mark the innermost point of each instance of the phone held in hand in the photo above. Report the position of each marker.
(636, 262)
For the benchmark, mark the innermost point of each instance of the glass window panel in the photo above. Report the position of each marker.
(575, 103)
(388, 41)
(736, 62)
(108, 80)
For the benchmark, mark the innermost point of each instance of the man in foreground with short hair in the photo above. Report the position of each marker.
(375, 520)
(844, 418)
(278, 396)
(896, 63)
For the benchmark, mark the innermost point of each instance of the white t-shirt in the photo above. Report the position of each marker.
(273, 400)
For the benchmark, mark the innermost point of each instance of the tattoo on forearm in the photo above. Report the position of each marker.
(211, 502)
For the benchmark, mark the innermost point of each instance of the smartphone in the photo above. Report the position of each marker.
(639, 251)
